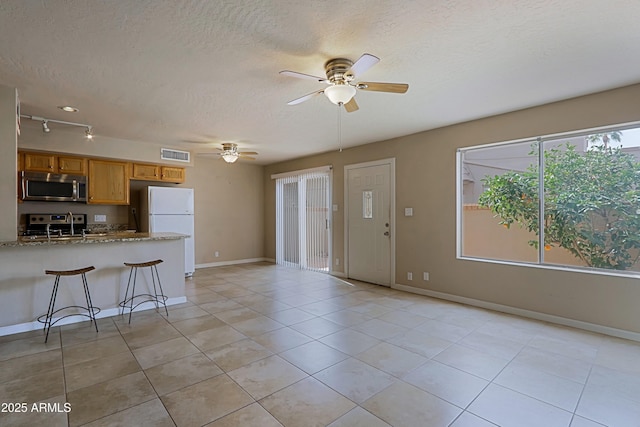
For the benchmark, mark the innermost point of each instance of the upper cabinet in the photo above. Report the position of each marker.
(172, 174)
(40, 162)
(108, 182)
(148, 172)
(72, 165)
(45, 162)
(145, 172)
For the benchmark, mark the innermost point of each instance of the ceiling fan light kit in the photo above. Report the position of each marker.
(230, 153)
(340, 94)
(341, 73)
(229, 157)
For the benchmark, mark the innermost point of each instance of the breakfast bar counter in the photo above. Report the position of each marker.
(25, 289)
(90, 238)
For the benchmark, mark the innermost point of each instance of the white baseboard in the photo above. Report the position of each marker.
(592, 327)
(339, 274)
(32, 326)
(233, 262)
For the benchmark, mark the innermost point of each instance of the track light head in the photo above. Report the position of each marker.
(45, 124)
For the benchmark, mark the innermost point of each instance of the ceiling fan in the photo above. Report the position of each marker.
(230, 154)
(341, 73)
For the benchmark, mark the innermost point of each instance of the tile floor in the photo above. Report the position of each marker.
(262, 345)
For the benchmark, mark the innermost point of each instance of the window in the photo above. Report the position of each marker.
(587, 184)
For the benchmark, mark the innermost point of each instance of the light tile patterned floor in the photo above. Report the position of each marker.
(262, 345)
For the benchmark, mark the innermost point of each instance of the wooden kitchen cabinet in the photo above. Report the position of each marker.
(148, 172)
(108, 182)
(172, 174)
(45, 162)
(40, 162)
(72, 165)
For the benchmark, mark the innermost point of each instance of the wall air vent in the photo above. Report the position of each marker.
(175, 155)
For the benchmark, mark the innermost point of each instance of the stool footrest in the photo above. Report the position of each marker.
(91, 312)
(150, 298)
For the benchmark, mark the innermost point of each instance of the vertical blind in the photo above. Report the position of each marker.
(302, 219)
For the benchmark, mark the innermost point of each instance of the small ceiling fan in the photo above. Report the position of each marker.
(341, 73)
(230, 154)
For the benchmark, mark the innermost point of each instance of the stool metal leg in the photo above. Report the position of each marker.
(155, 267)
(133, 291)
(127, 291)
(87, 295)
(52, 303)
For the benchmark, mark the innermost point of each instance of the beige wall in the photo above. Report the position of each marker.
(8, 163)
(229, 210)
(426, 180)
(71, 139)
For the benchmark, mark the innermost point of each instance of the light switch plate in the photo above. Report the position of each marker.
(335, 208)
(100, 218)
(408, 211)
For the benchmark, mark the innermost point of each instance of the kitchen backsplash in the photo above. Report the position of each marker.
(116, 218)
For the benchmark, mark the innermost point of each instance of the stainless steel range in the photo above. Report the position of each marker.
(65, 224)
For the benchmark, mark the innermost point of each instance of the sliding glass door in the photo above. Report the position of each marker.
(302, 220)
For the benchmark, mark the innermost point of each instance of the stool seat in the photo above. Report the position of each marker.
(90, 310)
(143, 264)
(70, 272)
(155, 297)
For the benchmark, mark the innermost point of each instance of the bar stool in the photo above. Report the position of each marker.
(155, 297)
(47, 319)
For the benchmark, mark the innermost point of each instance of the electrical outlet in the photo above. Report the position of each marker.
(100, 218)
(409, 276)
(133, 211)
(425, 276)
(216, 254)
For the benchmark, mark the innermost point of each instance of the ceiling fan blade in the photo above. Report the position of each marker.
(363, 63)
(305, 98)
(249, 153)
(384, 87)
(247, 158)
(304, 76)
(351, 106)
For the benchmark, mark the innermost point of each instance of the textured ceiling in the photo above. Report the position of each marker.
(193, 74)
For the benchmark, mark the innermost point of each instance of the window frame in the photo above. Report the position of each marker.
(540, 140)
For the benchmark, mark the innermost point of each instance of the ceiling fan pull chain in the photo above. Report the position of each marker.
(340, 127)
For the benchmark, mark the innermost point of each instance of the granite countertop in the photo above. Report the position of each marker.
(92, 239)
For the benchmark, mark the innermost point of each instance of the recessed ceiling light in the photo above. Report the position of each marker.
(68, 109)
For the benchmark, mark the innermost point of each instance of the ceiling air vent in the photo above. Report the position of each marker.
(175, 155)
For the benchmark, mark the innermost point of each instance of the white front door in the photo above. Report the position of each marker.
(369, 222)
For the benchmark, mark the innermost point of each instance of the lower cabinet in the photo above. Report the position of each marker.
(108, 182)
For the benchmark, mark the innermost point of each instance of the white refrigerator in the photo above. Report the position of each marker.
(170, 209)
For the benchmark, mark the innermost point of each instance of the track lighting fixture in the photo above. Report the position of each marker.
(46, 129)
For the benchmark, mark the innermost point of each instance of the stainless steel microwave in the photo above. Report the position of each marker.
(53, 187)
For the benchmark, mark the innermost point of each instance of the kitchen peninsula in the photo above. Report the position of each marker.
(25, 289)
